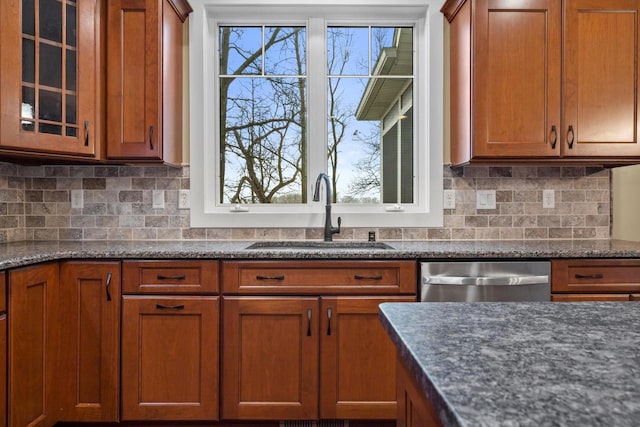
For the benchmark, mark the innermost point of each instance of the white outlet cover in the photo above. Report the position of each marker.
(184, 199)
(548, 199)
(449, 199)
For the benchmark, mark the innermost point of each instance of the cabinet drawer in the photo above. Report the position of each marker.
(595, 275)
(312, 277)
(175, 277)
(3, 293)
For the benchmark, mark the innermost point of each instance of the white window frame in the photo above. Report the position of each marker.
(427, 209)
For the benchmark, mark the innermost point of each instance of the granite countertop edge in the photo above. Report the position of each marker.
(15, 254)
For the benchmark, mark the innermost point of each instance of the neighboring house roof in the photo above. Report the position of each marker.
(396, 60)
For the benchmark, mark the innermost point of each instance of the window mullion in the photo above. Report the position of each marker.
(317, 99)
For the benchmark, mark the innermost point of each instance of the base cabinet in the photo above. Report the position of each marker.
(89, 366)
(33, 344)
(575, 280)
(170, 358)
(414, 410)
(307, 358)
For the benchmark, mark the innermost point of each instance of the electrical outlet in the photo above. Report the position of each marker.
(184, 201)
(548, 199)
(449, 199)
(486, 199)
(77, 199)
(158, 199)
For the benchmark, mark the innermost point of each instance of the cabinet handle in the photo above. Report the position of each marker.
(151, 137)
(170, 307)
(86, 133)
(590, 276)
(359, 277)
(180, 277)
(108, 287)
(329, 318)
(308, 322)
(570, 136)
(3, 312)
(554, 132)
(270, 277)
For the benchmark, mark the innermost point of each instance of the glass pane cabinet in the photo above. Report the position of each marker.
(48, 81)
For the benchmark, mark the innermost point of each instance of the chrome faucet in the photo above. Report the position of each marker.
(329, 230)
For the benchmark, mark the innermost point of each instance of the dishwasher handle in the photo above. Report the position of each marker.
(485, 281)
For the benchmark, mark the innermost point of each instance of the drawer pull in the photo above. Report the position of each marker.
(270, 277)
(180, 277)
(329, 321)
(108, 287)
(170, 307)
(590, 276)
(308, 322)
(359, 277)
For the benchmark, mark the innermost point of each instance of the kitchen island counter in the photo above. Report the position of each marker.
(15, 254)
(522, 364)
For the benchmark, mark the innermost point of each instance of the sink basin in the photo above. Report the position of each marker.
(318, 245)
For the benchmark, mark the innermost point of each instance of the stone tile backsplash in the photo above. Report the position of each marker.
(35, 204)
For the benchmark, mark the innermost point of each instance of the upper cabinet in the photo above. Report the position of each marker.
(49, 103)
(544, 80)
(144, 80)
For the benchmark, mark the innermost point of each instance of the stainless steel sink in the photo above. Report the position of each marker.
(308, 244)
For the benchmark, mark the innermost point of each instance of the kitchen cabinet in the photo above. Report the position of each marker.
(170, 361)
(144, 80)
(89, 366)
(51, 79)
(414, 410)
(3, 350)
(544, 80)
(34, 341)
(595, 280)
(302, 339)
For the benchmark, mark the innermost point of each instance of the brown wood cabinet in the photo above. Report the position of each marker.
(144, 80)
(51, 79)
(414, 410)
(319, 355)
(34, 341)
(595, 279)
(170, 358)
(89, 366)
(544, 80)
(3, 350)
(170, 342)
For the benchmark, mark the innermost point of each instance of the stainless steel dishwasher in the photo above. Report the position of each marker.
(467, 281)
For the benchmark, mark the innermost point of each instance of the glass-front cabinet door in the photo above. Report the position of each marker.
(48, 82)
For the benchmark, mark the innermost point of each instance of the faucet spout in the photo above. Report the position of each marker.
(329, 230)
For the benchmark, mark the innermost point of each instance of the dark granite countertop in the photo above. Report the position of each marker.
(22, 253)
(523, 364)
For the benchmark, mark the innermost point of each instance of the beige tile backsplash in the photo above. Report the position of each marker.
(35, 204)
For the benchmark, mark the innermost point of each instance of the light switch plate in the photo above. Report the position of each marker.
(158, 199)
(486, 199)
(77, 199)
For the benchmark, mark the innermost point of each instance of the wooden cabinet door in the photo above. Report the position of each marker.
(144, 82)
(601, 46)
(170, 358)
(357, 359)
(49, 90)
(516, 78)
(33, 344)
(90, 362)
(3, 351)
(270, 358)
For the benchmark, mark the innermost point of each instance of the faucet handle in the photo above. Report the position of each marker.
(336, 230)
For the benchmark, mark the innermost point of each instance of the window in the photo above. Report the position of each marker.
(282, 91)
